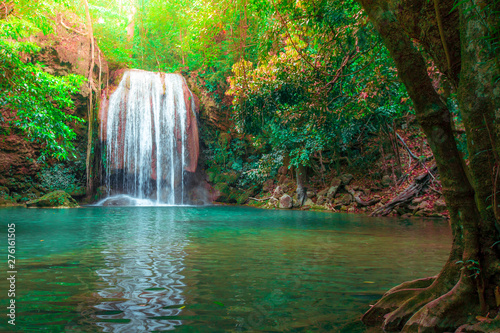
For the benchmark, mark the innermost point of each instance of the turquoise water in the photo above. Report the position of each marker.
(208, 269)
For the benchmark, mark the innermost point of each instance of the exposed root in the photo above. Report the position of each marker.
(400, 303)
(388, 304)
(485, 325)
(419, 283)
(459, 306)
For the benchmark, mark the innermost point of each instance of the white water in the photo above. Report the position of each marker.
(146, 130)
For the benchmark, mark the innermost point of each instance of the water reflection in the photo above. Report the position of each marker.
(141, 283)
(211, 269)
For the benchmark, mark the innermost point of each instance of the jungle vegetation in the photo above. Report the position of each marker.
(310, 83)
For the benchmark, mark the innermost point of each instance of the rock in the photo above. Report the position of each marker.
(346, 178)
(423, 205)
(351, 210)
(268, 185)
(320, 200)
(278, 192)
(440, 206)
(308, 202)
(367, 191)
(79, 192)
(56, 199)
(332, 191)
(295, 203)
(311, 194)
(336, 182)
(406, 216)
(323, 193)
(286, 201)
(346, 199)
(386, 181)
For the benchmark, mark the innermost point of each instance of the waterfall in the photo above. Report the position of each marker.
(145, 131)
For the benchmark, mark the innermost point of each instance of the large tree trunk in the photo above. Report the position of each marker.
(462, 290)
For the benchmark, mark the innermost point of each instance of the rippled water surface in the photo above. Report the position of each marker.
(208, 269)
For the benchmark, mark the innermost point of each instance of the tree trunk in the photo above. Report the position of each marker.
(90, 114)
(301, 184)
(458, 293)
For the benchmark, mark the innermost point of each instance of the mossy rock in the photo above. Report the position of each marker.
(56, 199)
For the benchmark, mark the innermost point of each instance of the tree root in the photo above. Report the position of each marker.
(360, 201)
(402, 302)
(415, 284)
(446, 313)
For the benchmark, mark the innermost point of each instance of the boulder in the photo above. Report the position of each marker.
(386, 181)
(336, 182)
(323, 193)
(346, 178)
(308, 202)
(321, 200)
(311, 194)
(56, 199)
(332, 191)
(278, 192)
(346, 199)
(286, 201)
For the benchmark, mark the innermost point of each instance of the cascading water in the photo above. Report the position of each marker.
(147, 130)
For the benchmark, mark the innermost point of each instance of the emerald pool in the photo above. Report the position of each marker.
(208, 269)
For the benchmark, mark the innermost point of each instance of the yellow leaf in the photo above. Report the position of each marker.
(368, 282)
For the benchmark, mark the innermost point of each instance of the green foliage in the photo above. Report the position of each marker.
(39, 99)
(63, 177)
(322, 83)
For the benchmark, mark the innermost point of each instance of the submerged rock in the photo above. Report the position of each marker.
(56, 199)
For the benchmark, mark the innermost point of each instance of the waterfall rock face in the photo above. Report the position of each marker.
(150, 132)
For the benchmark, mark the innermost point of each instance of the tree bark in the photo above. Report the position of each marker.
(90, 132)
(458, 293)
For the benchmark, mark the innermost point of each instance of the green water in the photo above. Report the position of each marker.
(208, 269)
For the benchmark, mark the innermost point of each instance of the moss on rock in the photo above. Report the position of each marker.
(56, 199)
